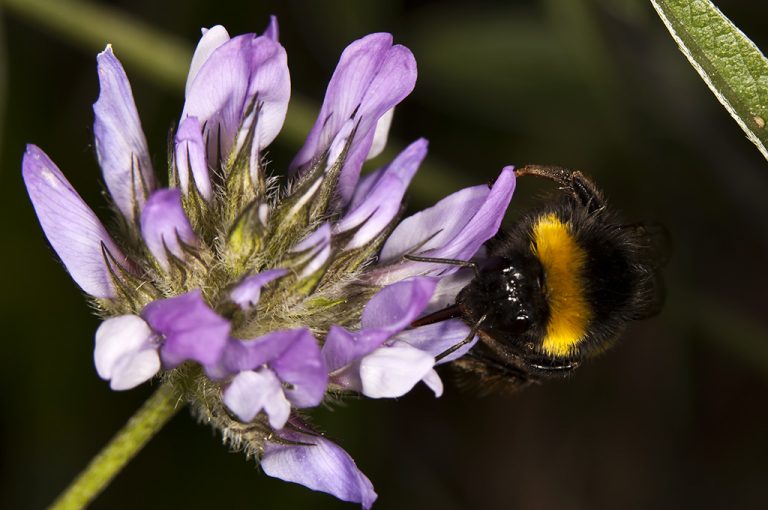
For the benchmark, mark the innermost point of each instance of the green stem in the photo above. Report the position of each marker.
(142, 426)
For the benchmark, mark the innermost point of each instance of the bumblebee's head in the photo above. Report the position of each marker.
(508, 296)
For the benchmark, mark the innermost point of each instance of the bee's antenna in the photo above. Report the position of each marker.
(456, 347)
(448, 262)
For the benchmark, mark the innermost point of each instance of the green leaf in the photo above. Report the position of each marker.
(730, 64)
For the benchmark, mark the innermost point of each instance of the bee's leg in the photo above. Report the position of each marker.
(456, 347)
(554, 367)
(580, 186)
(448, 262)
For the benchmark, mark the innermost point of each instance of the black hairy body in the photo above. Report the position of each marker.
(556, 289)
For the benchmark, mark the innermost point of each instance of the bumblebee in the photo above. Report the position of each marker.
(556, 289)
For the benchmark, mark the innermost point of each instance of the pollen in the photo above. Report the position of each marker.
(563, 261)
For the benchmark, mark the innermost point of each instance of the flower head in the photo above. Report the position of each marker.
(255, 300)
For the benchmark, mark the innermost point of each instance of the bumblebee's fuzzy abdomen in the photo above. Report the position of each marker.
(610, 277)
(564, 262)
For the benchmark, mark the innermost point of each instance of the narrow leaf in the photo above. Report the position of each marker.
(731, 65)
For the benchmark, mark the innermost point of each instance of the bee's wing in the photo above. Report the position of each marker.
(653, 249)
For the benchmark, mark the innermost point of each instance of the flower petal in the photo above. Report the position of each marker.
(437, 338)
(454, 228)
(250, 354)
(381, 134)
(390, 372)
(348, 378)
(342, 347)
(318, 248)
(251, 391)
(165, 226)
(371, 215)
(433, 227)
(71, 227)
(388, 312)
(404, 165)
(321, 466)
(126, 352)
(190, 158)
(303, 368)
(273, 30)
(371, 78)
(448, 288)
(434, 383)
(212, 38)
(394, 307)
(247, 293)
(241, 69)
(120, 143)
(191, 330)
(484, 224)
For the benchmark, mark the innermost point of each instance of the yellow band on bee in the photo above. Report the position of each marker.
(563, 261)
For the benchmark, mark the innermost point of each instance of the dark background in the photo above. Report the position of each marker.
(674, 416)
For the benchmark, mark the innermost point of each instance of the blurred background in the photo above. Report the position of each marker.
(674, 416)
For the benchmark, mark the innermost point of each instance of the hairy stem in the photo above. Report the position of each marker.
(142, 426)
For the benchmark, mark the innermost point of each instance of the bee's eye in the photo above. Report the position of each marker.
(522, 323)
(513, 325)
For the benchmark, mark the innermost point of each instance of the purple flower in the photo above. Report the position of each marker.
(317, 463)
(371, 78)
(377, 198)
(76, 234)
(372, 360)
(120, 143)
(191, 330)
(126, 352)
(130, 348)
(264, 364)
(242, 83)
(165, 227)
(260, 301)
(454, 228)
(191, 160)
(248, 292)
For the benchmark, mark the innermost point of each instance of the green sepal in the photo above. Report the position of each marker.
(184, 272)
(173, 177)
(245, 239)
(133, 293)
(243, 184)
(310, 201)
(202, 216)
(346, 262)
(322, 205)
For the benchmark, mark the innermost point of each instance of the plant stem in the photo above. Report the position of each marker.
(142, 426)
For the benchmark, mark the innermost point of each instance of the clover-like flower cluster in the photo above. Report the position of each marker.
(256, 300)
